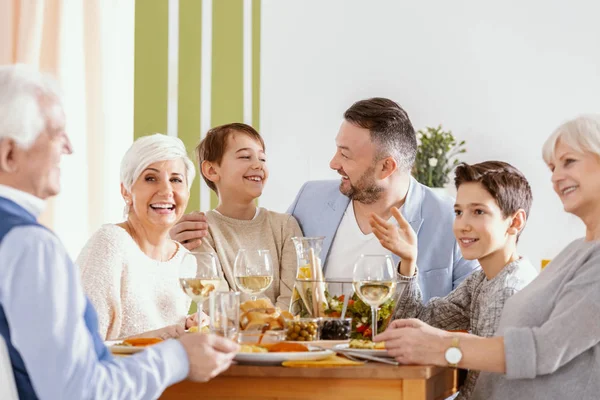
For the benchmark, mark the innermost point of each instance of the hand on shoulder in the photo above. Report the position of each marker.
(190, 230)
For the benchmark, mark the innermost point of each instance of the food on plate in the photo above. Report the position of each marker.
(260, 314)
(366, 345)
(360, 312)
(302, 330)
(252, 348)
(286, 347)
(139, 342)
(335, 328)
(273, 348)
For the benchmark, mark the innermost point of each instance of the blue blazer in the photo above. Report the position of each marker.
(319, 208)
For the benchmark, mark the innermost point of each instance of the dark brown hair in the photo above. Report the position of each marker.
(390, 128)
(214, 144)
(507, 185)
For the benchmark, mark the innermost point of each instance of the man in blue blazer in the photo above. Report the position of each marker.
(376, 149)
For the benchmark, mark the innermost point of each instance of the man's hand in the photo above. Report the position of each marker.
(400, 240)
(209, 355)
(411, 341)
(190, 230)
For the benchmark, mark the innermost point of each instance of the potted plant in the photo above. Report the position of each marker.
(436, 156)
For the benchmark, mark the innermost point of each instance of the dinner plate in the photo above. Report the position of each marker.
(326, 344)
(370, 352)
(277, 358)
(116, 349)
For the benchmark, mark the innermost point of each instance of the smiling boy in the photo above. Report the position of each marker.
(492, 204)
(233, 163)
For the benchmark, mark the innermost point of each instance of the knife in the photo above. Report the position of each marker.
(368, 357)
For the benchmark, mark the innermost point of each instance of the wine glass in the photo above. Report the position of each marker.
(253, 271)
(374, 281)
(199, 277)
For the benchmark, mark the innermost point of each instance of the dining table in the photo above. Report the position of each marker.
(369, 381)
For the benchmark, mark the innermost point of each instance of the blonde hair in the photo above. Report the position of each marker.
(582, 134)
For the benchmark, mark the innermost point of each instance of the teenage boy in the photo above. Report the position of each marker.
(492, 204)
(233, 163)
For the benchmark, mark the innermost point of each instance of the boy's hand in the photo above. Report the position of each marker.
(411, 341)
(190, 230)
(400, 240)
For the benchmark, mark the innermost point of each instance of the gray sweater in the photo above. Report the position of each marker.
(551, 333)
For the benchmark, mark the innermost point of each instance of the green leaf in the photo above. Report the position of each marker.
(441, 145)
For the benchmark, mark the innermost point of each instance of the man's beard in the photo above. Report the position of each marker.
(366, 190)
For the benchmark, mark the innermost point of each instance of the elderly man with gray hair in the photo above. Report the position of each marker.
(49, 325)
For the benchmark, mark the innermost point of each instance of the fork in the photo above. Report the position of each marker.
(352, 358)
(364, 357)
(348, 356)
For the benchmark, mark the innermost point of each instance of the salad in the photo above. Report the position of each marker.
(360, 312)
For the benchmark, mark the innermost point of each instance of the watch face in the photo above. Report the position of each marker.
(453, 355)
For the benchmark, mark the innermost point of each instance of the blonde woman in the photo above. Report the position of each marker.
(130, 270)
(548, 339)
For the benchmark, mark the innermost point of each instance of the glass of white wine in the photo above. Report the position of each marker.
(253, 271)
(374, 281)
(199, 277)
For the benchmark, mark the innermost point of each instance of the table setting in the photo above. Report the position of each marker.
(322, 343)
(330, 322)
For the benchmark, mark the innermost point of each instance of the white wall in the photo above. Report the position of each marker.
(501, 75)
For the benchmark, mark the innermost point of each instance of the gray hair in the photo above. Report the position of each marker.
(21, 117)
(150, 149)
(582, 134)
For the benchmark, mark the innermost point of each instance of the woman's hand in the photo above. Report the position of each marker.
(411, 341)
(192, 320)
(400, 240)
(168, 332)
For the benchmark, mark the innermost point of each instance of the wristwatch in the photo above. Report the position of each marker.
(453, 354)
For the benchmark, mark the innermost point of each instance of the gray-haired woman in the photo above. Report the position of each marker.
(130, 270)
(548, 339)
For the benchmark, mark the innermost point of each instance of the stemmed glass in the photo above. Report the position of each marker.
(253, 271)
(199, 277)
(374, 281)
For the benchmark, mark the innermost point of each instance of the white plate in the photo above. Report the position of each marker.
(374, 352)
(115, 349)
(278, 358)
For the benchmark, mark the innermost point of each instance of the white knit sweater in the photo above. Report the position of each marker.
(132, 293)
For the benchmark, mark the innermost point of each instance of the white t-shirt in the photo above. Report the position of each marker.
(349, 243)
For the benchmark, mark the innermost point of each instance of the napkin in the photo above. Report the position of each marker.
(331, 361)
